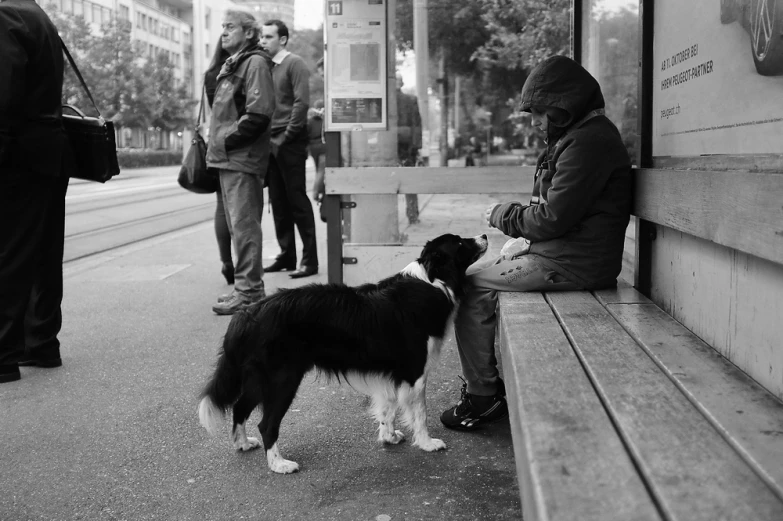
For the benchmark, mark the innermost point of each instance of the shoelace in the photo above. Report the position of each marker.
(464, 403)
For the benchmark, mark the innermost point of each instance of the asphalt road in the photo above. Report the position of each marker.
(114, 434)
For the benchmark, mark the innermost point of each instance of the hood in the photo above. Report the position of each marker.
(561, 82)
(230, 65)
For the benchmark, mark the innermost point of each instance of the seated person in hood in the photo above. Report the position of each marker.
(569, 236)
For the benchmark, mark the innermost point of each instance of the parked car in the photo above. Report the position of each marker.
(763, 19)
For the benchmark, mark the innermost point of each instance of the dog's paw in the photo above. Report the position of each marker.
(431, 445)
(283, 466)
(393, 438)
(247, 444)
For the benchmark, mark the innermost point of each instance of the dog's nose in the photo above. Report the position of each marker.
(484, 236)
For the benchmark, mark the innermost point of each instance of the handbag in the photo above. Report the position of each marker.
(194, 175)
(92, 139)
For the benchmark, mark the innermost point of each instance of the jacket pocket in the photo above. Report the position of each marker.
(216, 152)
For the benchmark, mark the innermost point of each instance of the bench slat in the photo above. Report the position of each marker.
(571, 462)
(748, 415)
(694, 473)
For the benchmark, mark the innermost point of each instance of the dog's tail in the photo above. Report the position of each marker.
(225, 385)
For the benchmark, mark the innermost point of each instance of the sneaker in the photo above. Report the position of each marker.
(472, 412)
(231, 305)
(227, 296)
(235, 302)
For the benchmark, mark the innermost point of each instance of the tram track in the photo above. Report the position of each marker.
(97, 223)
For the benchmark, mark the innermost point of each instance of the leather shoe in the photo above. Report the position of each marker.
(47, 357)
(280, 265)
(42, 362)
(9, 373)
(304, 271)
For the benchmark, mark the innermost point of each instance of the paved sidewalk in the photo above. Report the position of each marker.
(114, 433)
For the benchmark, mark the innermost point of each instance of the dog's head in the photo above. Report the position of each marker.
(447, 257)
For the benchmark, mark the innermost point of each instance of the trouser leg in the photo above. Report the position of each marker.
(281, 211)
(243, 198)
(476, 318)
(43, 319)
(222, 233)
(291, 161)
(23, 211)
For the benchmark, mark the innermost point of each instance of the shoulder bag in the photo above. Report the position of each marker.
(92, 139)
(194, 175)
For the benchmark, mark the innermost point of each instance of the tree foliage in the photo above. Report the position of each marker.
(493, 44)
(524, 32)
(455, 26)
(130, 88)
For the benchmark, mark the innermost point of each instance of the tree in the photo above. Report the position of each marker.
(524, 32)
(171, 107)
(122, 91)
(76, 34)
(452, 43)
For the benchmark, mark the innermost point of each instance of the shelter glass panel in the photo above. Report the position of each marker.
(610, 51)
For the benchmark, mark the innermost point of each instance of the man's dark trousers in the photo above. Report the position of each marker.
(290, 204)
(31, 258)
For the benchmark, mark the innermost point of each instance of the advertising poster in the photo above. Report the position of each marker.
(718, 77)
(355, 65)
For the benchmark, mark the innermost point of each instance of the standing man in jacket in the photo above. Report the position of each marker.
(34, 167)
(286, 176)
(569, 237)
(239, 148)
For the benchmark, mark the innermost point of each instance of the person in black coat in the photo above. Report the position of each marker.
(34, 167)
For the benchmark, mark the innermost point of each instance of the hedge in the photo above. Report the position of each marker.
(139, 158)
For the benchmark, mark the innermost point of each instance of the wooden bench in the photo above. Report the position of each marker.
(617, 410)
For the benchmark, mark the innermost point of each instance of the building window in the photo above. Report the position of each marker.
(124, 12)
(207, 19)
(207, 47)
(96, 13)
(78, 7)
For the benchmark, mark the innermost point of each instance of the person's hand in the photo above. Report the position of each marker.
(515, 248)
(275, 143)
(319, 190)
(488, 213)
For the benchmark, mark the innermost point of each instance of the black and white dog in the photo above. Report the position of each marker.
(383, 339)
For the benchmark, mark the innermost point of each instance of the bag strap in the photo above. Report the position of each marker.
(79, 75)
(199, 121)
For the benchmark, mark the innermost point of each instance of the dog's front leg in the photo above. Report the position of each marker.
(415, 407)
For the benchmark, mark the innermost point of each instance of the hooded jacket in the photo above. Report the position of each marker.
(577, 218)
(242, 108)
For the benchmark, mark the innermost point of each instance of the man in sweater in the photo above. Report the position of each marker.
(286, 174)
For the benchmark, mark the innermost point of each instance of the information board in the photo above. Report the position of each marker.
(355, 65)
